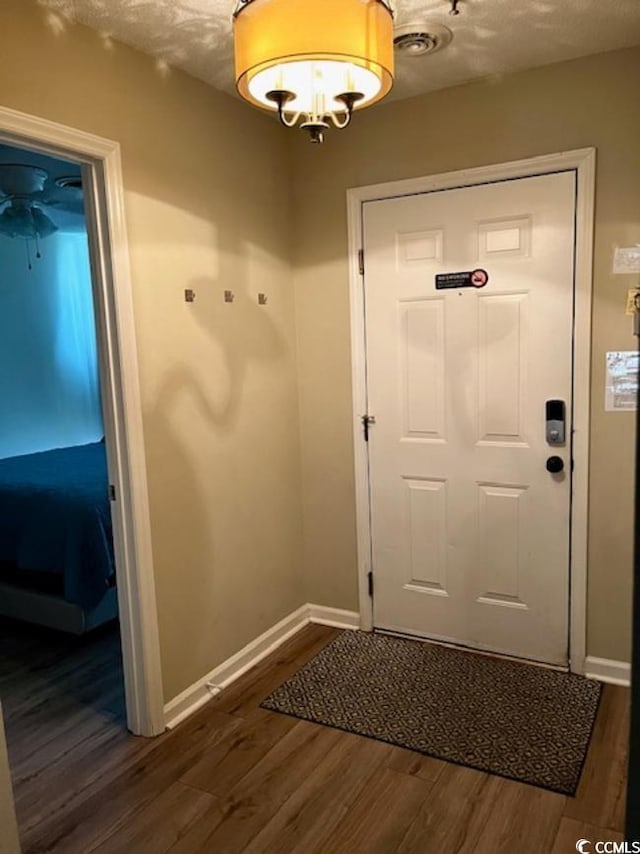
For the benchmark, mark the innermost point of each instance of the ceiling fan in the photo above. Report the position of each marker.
(24, 198)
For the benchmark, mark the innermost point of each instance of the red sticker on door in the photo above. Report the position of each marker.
(479, 278)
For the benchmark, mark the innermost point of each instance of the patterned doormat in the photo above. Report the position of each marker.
(513, 719)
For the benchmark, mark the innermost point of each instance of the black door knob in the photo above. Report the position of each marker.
(555, 465)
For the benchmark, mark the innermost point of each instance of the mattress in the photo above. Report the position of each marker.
(55, 518)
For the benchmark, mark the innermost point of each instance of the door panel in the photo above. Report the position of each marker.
(422, 371)
(470, 533)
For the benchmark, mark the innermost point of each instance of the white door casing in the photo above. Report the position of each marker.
(470, 532)
(582, 162)
(122, 409)
(9, 841)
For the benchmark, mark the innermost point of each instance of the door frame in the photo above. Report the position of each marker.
(583, 162)
(121, 402)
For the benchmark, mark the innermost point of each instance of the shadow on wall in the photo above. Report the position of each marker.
(205, 453)
(245, 335)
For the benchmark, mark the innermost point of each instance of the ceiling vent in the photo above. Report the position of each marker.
(415, 40)
(71, 182)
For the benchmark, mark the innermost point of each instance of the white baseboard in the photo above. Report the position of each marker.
(333, 617)
(196, 695)
(608, 670)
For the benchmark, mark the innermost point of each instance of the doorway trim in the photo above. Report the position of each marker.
(583, 162)
(122, 410)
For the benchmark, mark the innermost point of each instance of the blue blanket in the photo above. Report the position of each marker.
(55, 517)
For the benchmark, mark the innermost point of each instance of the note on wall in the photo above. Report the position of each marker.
(626, 259)
(621, 385)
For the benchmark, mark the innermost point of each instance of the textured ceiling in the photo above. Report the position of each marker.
(490, 37)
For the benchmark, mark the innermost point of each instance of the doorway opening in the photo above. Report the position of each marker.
(58, 601)
(98, 162)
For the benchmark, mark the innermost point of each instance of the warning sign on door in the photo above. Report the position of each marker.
(466, 279)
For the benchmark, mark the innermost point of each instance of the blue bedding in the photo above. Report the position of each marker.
(55, 517)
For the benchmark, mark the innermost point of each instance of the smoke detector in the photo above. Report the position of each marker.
(415, 40)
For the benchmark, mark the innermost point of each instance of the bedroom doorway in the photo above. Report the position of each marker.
(57, 563)
(58, 600)
(97, 163)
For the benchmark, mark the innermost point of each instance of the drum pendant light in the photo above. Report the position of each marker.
(314, 61)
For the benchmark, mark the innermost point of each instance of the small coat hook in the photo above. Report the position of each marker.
(189, 295)
(262, 299)
(454, 7)
(229, 296)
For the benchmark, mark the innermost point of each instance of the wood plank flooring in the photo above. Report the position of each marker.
(237, 778)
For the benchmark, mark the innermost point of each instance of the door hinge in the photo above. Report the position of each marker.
(361, 261)
(112, 492)
(367, 421)
(370, 582)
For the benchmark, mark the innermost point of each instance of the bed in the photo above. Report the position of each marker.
(57, 564)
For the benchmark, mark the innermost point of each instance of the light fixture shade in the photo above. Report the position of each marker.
(315, 50)
(25, 220)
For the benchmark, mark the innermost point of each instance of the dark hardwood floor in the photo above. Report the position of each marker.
(236, 778)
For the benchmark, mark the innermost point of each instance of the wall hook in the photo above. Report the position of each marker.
(262, 299)
(229, 296)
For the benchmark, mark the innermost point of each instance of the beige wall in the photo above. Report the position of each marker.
(588, 102)
(207, 204)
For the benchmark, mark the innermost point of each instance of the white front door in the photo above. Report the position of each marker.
(470, 531)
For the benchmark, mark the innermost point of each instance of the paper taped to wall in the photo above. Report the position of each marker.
(621, 385)
(626, 259)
